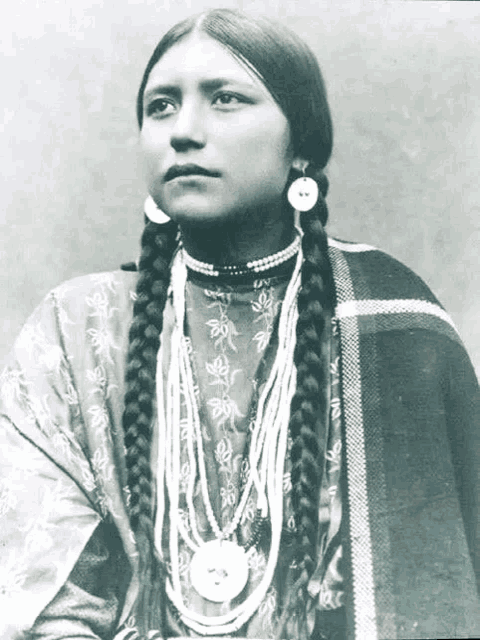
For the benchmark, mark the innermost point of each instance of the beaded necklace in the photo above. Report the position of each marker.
(254, 266)
(219, 568)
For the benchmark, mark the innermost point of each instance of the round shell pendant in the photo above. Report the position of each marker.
(303, 194)
(219, 570)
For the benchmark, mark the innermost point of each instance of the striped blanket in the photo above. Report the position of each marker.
(412, 439)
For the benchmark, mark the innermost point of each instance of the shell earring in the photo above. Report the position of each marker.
(153, 213)
(303, 193)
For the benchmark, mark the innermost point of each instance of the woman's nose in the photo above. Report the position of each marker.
(189, 128)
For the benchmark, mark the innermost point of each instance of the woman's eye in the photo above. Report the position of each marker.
(228, 100)
(160, 107)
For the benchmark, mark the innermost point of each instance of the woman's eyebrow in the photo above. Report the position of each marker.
(217, 83)
(206, 85)
(162, 89)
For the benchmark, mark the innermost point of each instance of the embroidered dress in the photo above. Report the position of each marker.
(410, 439)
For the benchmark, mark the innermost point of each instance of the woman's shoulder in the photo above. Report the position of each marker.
(366, 254)
(97, 305)
(363, 272)
(102, 285)
(383, 293)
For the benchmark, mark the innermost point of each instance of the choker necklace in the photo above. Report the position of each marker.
(253, 266)
(219, 569)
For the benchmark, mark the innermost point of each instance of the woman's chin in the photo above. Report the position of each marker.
(194, 213)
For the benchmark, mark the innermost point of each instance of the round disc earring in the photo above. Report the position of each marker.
(153, 213)
(303, 193)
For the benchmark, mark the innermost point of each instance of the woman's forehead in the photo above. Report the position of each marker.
(199, 58)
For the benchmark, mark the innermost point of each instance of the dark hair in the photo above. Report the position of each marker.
(290, 72)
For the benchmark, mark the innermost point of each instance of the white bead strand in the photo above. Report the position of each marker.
(266, 455)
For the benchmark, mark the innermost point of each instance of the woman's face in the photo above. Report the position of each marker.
(216, 144)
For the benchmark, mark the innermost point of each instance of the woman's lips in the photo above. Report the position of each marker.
(185, 170)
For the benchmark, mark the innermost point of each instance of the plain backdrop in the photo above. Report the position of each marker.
(404, 87)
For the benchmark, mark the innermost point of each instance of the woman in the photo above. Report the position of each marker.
(263, 432)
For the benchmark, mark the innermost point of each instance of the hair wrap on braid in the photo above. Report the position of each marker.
(158, 245)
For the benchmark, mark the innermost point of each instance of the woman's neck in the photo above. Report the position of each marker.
(227, 244)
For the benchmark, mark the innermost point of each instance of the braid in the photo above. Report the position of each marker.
(307, 408)
(158, 245)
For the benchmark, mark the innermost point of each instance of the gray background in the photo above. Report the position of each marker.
(404, 87)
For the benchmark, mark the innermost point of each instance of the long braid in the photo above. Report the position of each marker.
(158, 245)
(307, 408)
